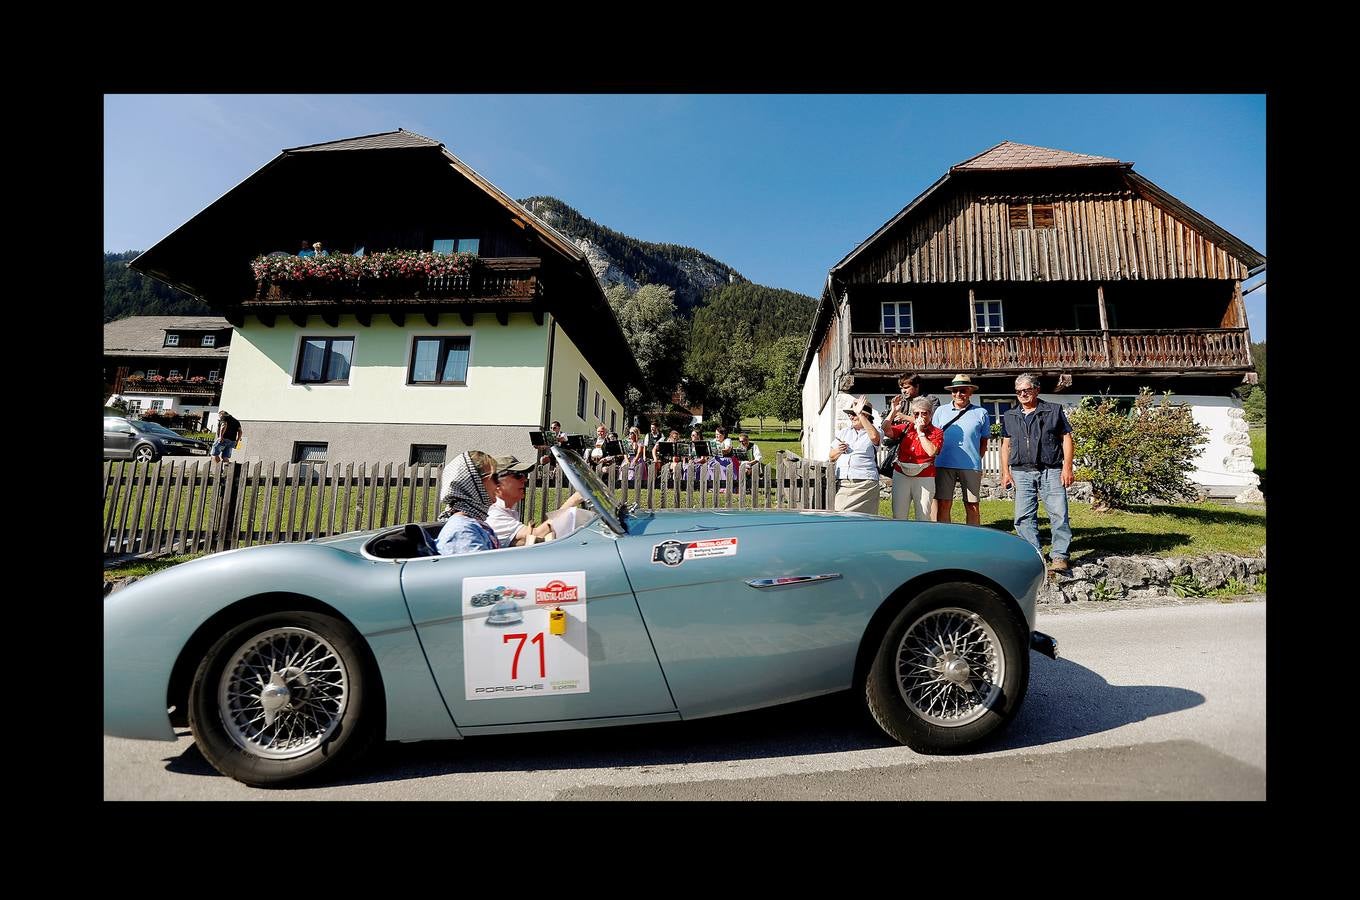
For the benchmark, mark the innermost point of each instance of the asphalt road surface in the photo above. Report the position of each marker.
(1162, 703)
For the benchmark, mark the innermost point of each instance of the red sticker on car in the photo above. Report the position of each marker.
(555, 592)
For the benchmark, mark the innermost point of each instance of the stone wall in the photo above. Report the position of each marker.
(1121, 577)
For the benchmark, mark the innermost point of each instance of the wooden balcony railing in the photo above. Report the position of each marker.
(503, 279)
(1018, 351)
(168, 387)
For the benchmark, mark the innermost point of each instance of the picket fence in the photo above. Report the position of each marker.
(180, 506)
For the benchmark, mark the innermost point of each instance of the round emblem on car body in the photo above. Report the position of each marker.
(671, 553)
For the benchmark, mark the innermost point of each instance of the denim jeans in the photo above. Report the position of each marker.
(1029, 486)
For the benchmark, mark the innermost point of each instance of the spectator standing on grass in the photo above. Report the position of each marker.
(1036, 455)
(966, 429)
(229, 431)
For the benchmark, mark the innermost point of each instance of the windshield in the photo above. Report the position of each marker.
(590, 486)
(153, 428)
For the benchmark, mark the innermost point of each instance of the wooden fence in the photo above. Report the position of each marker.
(179, 506)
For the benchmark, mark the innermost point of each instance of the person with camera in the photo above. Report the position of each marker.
(913, 479)
(855, 453)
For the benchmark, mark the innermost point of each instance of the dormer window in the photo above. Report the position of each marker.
(209, 340)
(457, 245)
(1031, 215)
(172, 340)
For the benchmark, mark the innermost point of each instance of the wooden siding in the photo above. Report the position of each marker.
(1107, 236)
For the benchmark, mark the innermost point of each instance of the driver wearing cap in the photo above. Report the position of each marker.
(504, 517)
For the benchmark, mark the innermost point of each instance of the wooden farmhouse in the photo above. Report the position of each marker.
(1067, 266)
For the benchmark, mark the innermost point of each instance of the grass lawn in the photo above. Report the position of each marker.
(1186, 529)
(141, 567)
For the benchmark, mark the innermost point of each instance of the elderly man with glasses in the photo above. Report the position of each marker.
(1036, 455)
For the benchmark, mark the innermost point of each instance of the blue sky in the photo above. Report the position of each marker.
(778, 186)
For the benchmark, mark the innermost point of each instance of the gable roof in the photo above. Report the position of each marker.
(141, 335)
(1008, 156)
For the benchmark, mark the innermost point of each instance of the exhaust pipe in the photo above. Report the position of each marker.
(1043, 643)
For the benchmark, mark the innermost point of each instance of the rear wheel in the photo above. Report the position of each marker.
(284, 697)
(951, 669)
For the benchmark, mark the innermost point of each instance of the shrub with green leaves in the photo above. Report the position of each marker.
(1187, 586)
(1254, 409)
(1146, 453)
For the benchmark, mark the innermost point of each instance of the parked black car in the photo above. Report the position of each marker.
(146, 441)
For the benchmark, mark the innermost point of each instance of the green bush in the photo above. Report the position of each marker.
(1133, 457)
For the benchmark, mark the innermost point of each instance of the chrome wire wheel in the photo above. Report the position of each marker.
(283, 693)
(950, 667)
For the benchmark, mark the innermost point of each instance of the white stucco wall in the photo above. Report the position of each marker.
(568, 364)
(504, 379)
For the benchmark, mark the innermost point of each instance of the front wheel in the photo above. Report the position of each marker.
(284, 697)
(144, 453)
(951, 669)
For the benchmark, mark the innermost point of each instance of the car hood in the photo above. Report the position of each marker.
(668, 521)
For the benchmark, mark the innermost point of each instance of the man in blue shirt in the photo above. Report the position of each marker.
(966, 430)
(1036, 454)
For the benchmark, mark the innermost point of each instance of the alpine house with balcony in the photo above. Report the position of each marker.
(1064, 265)
(438, 315)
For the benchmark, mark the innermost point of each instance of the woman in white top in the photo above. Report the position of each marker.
(855, 453)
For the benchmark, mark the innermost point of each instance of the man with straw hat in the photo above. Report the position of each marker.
(966, 429)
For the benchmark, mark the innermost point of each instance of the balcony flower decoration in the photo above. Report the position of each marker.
(133, 379)
(156, 379)
(388, 264)
(174, 379)
(197, 379)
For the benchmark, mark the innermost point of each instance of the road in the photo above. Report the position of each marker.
(1162, 703)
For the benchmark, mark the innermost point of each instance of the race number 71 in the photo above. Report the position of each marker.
(514, 664)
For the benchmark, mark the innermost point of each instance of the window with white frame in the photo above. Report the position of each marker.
(987, 315)
(209, 340)
(581, 390)
(613, 422)
(134, 406)
(172, 340)
(158, 404)
(174, 373)
(152, 373)
(896, 318)
(996, 407)
(214, 375)
(599, 407)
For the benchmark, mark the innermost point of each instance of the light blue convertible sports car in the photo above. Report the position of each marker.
(287, 661)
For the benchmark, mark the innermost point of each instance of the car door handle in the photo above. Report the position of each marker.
(790, 579)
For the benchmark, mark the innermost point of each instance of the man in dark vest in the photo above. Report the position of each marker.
(1036, 455)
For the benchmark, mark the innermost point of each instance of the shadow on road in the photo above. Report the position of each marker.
(1065, 700)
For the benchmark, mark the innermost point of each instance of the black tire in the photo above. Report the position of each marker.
(947, 715)
(145, 453)
(331, 708)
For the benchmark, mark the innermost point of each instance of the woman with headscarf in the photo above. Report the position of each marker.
(469, 495)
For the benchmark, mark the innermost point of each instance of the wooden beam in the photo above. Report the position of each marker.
(466, 316)
(398, 318)
(1104, 322)
(538, 316)
(331, 318)
(503, 317)
(432, 317)
(267, 318)
(365, 318)
(298, 318)
(235, 317)
(972, 324)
